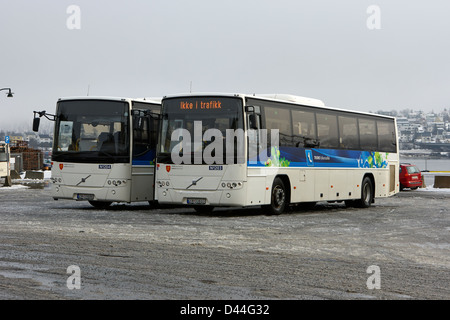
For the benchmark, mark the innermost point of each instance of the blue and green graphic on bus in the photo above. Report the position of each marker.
(301, 157)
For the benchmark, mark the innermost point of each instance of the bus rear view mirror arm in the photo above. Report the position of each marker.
(37, 118)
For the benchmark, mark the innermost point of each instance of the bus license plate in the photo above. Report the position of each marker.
(196, 201)
(85, 196)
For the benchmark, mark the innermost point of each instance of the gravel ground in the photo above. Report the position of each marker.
(136, 252)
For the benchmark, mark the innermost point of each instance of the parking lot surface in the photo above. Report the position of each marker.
(397, 249)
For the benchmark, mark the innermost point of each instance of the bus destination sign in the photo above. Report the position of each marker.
(200, 105)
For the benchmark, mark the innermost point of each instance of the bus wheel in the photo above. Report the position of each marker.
(278, 198)
(366, 193)
(100, 204)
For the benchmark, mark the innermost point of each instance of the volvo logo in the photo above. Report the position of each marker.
(194, 182)
(83, 180)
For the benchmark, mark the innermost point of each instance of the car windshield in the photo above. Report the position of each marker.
(412, 169)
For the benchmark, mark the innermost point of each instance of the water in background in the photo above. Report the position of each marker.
(428, 164)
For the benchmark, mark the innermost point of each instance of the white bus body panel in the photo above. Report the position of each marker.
(202, 181)
(70, 180)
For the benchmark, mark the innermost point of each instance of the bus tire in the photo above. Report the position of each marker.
(278, 201)
(100, 204)
(366, 193)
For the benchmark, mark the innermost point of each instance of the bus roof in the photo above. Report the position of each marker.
(288, 98)
(150, 99)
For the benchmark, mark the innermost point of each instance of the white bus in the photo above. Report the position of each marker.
(4, 159)
(104, 149)
(322, 153)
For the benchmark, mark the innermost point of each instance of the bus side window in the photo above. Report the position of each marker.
(278, 118)
(141, 136)
(327, 130)
(304, 125)
(386, 136)
(368, 134)
(348, 133)
(254, 126)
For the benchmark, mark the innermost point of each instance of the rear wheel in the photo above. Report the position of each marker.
(278, 199)
(366, 193)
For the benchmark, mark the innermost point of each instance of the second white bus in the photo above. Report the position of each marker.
(104, 149)
(322, 153)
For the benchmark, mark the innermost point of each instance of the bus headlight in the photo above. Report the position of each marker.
(116, 183)
(162, 183)
(231, 185)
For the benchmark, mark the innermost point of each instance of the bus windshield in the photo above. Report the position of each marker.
(199, 113)
(92, 131)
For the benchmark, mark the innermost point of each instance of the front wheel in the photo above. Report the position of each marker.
(278, 199)
(366, 193)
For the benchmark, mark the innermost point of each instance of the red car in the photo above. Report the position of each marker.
(410, 176)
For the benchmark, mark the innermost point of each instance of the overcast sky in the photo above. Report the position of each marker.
(323, 49)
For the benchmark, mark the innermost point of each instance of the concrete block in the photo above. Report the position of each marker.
(35, 175)
(8, 182)
(14, 174)
(442, 182)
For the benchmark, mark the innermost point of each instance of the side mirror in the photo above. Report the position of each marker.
(253, 121)
(253, 109)
(36, 122)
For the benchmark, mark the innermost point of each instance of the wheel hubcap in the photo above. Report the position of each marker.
(366, 193)
(278, 197)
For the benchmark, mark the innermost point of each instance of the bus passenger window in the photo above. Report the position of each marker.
(386, 136)
(327, 131)
(348, 133)
(304, 124)
(368, 134)
(277, 118)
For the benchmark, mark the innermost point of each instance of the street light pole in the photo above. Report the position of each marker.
(9, 94)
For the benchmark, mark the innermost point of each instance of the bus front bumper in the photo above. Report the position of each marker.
(120, 194)
(201, 197)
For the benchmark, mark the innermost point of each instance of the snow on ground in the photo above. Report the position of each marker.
(19, 183)
(14, 187)
(432, 189)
